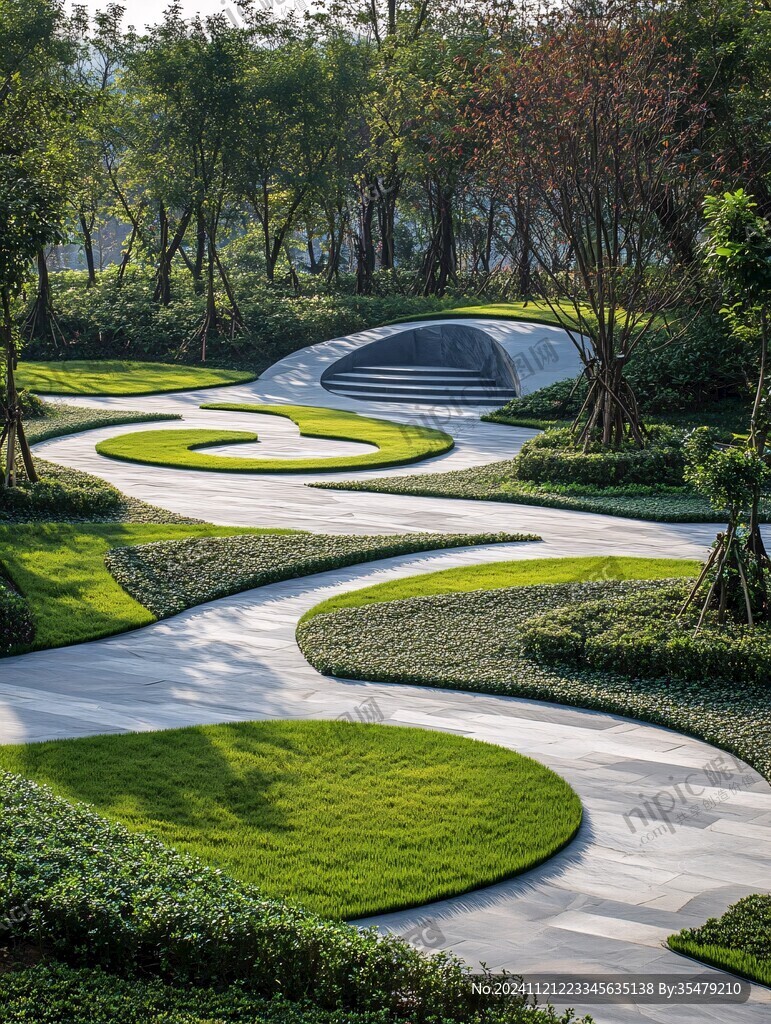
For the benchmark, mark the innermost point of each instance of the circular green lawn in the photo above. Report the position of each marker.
(343, 818)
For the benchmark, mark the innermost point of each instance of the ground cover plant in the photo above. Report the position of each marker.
(395, 443)
(739, 941)
(474, 641)
(169, 576)
(121, 377)
(99, 895)
(63, 995)
(343, 819)
(58, 419)
(60, 568)
(16, 625)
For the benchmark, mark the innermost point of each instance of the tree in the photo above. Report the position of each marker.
(35, 105)
(738, 253)
(595, 118)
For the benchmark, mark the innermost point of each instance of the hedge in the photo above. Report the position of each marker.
(16, 625)
(169, 576)
(555, 457)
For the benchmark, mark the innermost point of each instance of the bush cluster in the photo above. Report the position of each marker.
(639, 636)
(169, 576)
(16, 624)
(92, 893)
(112, 319)
(59, 494)
(739, 941)
(555, 457)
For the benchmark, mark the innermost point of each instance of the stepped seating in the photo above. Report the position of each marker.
(437, 385)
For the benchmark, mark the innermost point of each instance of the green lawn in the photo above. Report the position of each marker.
(495, 575)
(119, 377)
(395, 443)
(60, 570)
(345, 819)
(532, 312)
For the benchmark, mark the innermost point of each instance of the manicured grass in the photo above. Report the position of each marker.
(530, 312)
(739, 941)
(70, 419)
(496, 482)
(396, 443)
(118, 377)
(60, 570)
(495, 575)
(344, 819)
(169, 576)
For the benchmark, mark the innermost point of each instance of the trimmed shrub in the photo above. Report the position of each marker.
(640, 637)
(59, 493)
(16, 624)
(169, 576)
(554, 457)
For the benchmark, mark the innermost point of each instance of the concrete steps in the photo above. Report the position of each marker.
(437, 385)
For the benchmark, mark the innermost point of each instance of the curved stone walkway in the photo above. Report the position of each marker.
(604, 904)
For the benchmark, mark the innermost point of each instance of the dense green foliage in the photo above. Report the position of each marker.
(115, 377)
(640, 636)
(396, 443)
(739, 941)
(555, 457)
(63, 995)
(473, 641)
(345, 820)
(169, 576)
(104, 897)
(118, 320)
(16, 625)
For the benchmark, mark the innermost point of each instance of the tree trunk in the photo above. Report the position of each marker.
(12, 434)
(88, 248)
(163, 282)
(365, 251)
(313, 265)
(200, 247)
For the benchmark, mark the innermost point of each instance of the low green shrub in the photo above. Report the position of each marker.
(91, 893)
(739, 941)
(59, 493)
(556, 457)
(638, 635)
(16, 625)
(559, 401)
(169, 576)
(71, 496)
(57, 994)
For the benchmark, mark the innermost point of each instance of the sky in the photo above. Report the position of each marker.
(143, 12)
